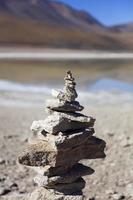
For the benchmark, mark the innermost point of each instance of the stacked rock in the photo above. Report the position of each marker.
(59, 142)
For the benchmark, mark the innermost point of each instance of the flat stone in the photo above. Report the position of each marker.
(42, 154)
(69, 140)
(52, 171)
(39, 154)
(62, 141)
(2, 161)
(70, 188)
(93, 148)
(63, 106)
(62, 122)
(76, 172)
(45, 194)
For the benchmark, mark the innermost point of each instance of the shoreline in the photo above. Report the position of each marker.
(60, 54)
(100, 92)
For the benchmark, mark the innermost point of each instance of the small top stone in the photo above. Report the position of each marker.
(69, 88)
(69, 93)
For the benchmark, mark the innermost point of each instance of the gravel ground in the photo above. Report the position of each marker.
(113, 177)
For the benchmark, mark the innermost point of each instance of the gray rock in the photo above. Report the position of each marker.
(42, 154)
(70, 188)
(62, 122)
(2, 161)
(45, 194)
(72, 175)
(37, 127)
(4, 191)
(69, 93)
(69, 89)
(62, 141)
(118, 196)
(52, 171)
(61, 106)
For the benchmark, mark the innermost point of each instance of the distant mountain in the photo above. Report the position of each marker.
(54, 24)
(75, 17)
(127, 28)
(51, 12)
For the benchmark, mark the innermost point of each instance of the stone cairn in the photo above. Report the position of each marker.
(58, 144)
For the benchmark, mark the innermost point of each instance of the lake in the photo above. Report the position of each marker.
(28, 82)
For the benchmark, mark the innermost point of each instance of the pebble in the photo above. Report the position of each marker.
(2, 161)
(93, 198)
(110, 134)
(118, 196)
(4, 191)
(109, 192)
(2, 179)
(14, 186)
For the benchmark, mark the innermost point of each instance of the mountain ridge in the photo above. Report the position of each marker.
(54, 24)
(125, 27)
(51, 11)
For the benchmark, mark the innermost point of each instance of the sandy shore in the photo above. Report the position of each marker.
(59, 55)
(18, 53)
(113, 178)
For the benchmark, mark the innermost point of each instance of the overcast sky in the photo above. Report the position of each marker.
(109, 12)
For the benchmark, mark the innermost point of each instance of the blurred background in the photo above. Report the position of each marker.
(40, 40)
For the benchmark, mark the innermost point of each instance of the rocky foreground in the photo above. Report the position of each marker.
(113, 177)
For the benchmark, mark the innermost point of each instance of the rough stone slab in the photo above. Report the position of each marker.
(39, 154)
(69, 92)
(68, 141)
(62, 141)
(52, 171)
(70, 188)
(63, 106)
(93, 148)
(62, 122)
(42, 153)
(76, 172)
(44, 194)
